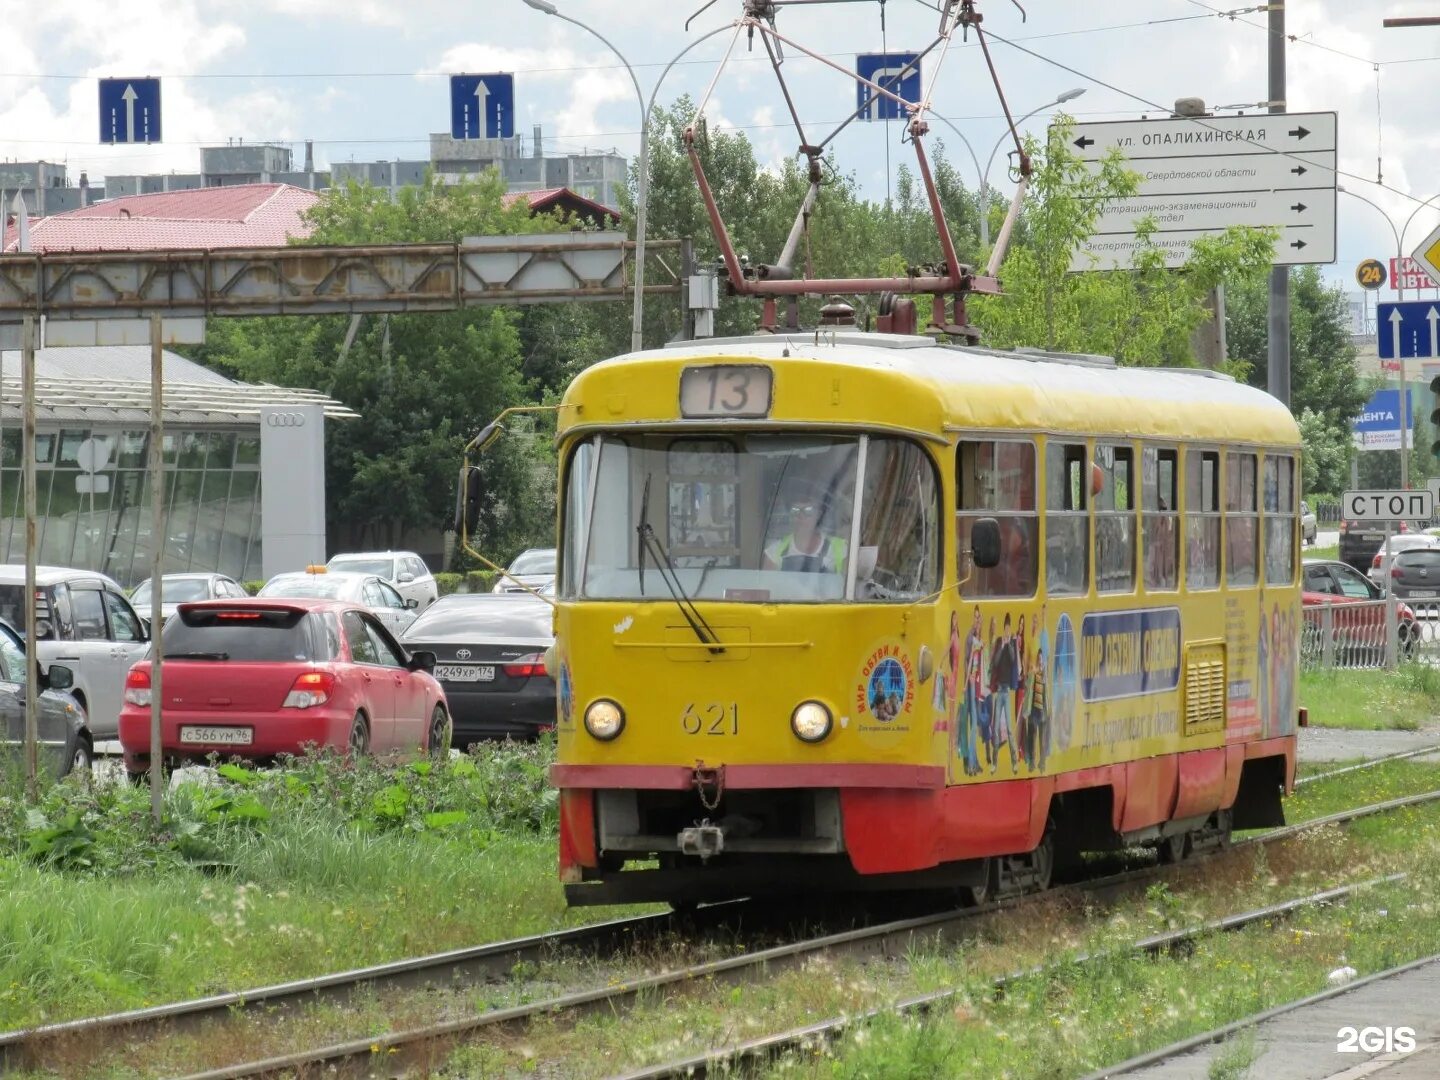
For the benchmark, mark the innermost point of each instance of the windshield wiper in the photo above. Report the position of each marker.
(704, 632)
(197, 656)
(640, 533)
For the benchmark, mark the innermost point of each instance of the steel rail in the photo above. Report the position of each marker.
(24, 1048)
(1184, 1046)
(421, 1047)
(1368, 764)
(728, 1060)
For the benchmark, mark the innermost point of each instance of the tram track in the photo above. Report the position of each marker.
(727, 1060)
(1370, 764)
(426, 1047)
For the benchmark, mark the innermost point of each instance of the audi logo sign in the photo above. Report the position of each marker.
(285, 419)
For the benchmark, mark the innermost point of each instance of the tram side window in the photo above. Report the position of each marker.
(1279, 519)
(1161, 521)
(899, 556)
(1115, 519)
(1202, 519)
(1242, 534)
(997, 479)
(1067, 524)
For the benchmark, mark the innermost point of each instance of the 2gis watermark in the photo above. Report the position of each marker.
(1375, 1040)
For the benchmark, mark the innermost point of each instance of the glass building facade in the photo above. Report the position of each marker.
(92, 499)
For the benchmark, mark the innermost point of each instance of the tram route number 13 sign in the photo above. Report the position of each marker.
(1388, 505)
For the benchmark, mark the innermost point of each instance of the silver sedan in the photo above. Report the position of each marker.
(368, 590)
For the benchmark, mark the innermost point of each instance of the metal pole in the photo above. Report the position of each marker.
(27, 451)
(1278, 380)
(157, 558)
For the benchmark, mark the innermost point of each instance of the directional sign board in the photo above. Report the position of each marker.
(1200, 175)
(1378, 426)
(482, 106)
(1388, 505)
(129, 110)
(1408, 329)
(1428, 256)
(897, 72)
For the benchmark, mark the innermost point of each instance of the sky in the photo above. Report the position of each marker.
(367, 80)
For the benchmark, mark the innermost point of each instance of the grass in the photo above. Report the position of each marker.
(1329, 551)
(1365, 700)
(266, 878)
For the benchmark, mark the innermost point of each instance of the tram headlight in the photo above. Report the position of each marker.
(604, 719)
(811, 721)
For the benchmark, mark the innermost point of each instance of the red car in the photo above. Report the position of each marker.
(257, 678)
(1358, 618)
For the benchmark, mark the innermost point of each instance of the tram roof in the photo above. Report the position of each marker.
(914, 383)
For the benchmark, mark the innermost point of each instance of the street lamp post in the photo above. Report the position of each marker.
(1399, 363)
(1068, 95)
(642, 193)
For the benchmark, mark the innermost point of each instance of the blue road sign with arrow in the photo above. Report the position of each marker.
(897, 72)
(129, 110)
(1410, 329)
(482, 106)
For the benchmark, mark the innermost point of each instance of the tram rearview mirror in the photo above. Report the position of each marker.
(985, 543)
(467, 500)
(488, 434)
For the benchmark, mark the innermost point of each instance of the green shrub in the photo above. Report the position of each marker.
(479, 580)
(253, 587)
(445, 584)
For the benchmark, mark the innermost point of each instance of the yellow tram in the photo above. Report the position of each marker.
(841, 610)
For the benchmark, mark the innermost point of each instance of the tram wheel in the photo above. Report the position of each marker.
(981, 894)
(1173, 849)
(1043, 861)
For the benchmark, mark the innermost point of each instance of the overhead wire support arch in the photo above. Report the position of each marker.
(769, 282)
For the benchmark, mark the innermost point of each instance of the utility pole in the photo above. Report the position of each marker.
(1278, 380)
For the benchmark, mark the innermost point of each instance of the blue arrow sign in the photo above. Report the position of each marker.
(482, 106)
(890, 71)
(129, 110)
(1408, 330)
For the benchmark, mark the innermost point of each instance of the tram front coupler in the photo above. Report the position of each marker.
(706, 840)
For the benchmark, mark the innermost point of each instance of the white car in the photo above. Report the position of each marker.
(1309, 525)
(405, 570)
(1380, 564)
(185, 588)
(368, 590)
(82, 622)
(534, 567)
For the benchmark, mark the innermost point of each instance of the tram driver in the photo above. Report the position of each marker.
(807, 547)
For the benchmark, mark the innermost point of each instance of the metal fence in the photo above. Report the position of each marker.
(1352, 635)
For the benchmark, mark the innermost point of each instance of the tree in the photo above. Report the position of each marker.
(1145, 315)
(422, 384)
(1323, 378)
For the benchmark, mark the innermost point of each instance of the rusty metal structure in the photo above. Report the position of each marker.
(771, 282)
(99, 298)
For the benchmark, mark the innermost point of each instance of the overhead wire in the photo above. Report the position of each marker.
(1197, 121)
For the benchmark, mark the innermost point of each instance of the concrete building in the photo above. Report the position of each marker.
(597, 176)
(237, 500)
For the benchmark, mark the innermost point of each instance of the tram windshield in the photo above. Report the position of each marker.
(759, 518)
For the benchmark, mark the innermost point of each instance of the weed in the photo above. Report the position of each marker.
(1233, 1058)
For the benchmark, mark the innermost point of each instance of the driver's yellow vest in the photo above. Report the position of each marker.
(831, 554)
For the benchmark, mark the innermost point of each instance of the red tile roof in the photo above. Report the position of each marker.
(247, 215)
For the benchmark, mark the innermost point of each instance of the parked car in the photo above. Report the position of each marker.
(84, 622)
(185, 589)
(1415, 575)
(405, 570)
(61, 727)
(1309, 526)
(489, 655)
(1358, 623)
(535, 568)
(1360, 540)
(1380, 562)
(367, 590)
(260, 677)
